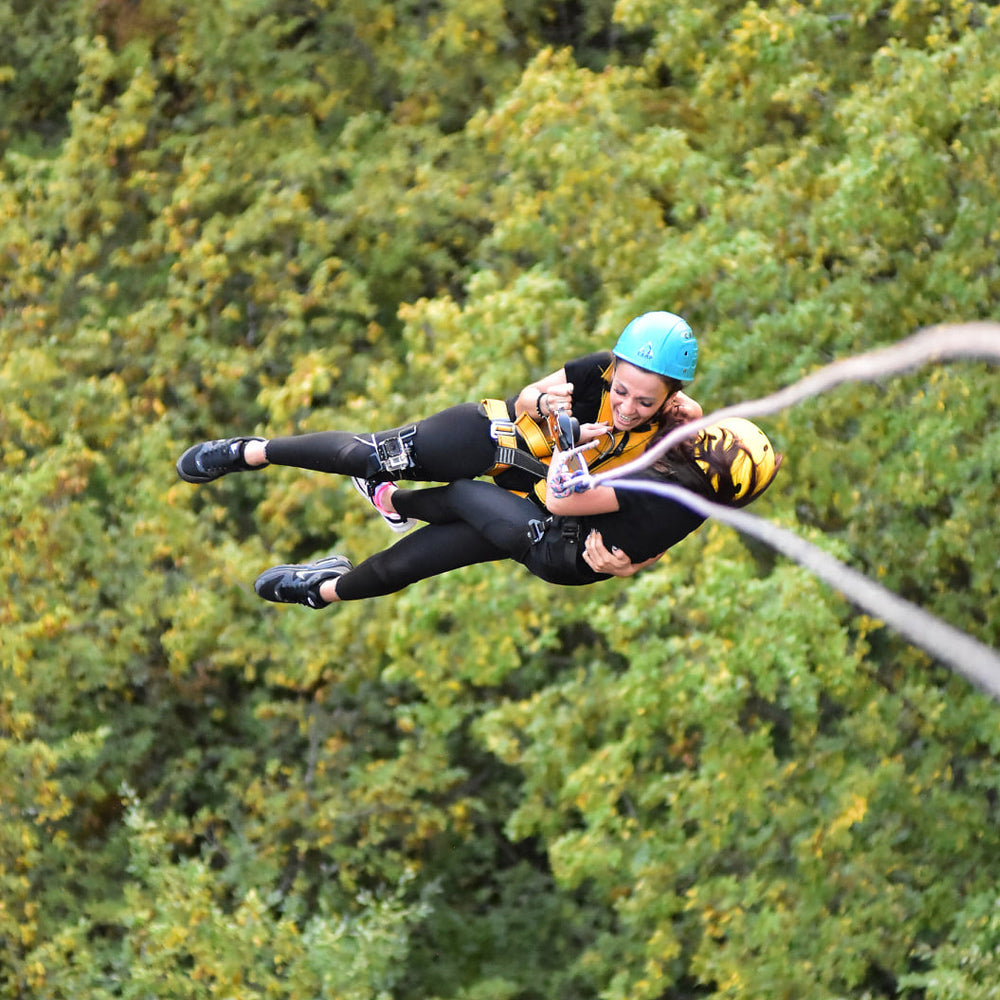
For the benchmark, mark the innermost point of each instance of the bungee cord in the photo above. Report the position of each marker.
(972, 659)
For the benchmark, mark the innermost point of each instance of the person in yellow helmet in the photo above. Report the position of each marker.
(473, 521)
(737, 457)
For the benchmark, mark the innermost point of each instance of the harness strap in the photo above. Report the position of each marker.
(539, 444)
(621, 446)
(561, 536)
(505, 432)
(514, 458)
(502, 428)
(537, 528)
(568, 527)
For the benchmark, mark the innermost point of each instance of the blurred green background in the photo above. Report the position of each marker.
(715, 780)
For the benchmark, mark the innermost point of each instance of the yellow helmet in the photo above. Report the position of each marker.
(738, 459)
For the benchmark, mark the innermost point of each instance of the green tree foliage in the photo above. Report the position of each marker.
(277, 216)
(37, 72)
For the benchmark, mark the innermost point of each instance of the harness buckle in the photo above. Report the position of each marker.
(536, 529)
(571, 529)
(502, 428)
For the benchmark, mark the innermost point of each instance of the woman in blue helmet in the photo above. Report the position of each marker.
(621, 397)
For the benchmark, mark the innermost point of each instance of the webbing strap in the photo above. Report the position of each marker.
(504, 432)
(501, 426)
(513, 458)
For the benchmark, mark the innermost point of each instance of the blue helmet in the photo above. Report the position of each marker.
(659, 342)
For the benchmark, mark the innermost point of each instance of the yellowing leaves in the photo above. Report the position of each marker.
(831, 838)
(356, 214)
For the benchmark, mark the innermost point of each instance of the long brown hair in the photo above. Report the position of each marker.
(678, 464)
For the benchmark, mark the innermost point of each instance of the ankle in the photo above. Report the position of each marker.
(255, 453)
(383, 497)
(328, 591)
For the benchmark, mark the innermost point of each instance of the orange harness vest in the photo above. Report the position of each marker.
(616, 447)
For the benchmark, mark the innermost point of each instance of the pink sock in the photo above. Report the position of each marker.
(379, 494)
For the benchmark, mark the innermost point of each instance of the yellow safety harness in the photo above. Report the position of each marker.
(615, 448)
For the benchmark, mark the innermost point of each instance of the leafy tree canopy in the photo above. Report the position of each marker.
(276, 216)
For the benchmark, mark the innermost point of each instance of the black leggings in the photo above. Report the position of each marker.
(468, 522)
(452, 444)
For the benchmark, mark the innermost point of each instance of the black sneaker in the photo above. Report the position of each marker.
(300, 584)
(202, 463)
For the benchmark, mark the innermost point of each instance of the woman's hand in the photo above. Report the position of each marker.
(612, 561)
(590, 432)
(558, 396)
(683, 408)
(539, 399)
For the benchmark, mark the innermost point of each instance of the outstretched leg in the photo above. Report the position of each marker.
(548, 547)
(434, 549)
(452, 444)
(429, 551)
(468, 522)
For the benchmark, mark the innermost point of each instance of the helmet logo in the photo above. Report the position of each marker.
(646, 352)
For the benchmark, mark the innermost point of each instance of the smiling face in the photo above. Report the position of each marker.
(636, 395)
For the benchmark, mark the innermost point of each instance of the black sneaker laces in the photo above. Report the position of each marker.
(299, 589)
(223, 455)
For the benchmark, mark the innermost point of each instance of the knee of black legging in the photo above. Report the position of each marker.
(354, 458)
